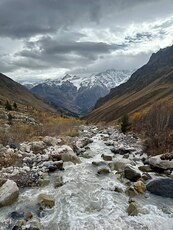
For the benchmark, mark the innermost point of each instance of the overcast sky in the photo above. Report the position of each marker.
(48, 38)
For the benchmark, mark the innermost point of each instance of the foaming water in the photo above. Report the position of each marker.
(87, 200)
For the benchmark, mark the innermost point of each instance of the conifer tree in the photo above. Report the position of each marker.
(8, 106)
(15, 105)
(125, 124)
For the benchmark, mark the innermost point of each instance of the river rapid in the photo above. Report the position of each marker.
(87, 200)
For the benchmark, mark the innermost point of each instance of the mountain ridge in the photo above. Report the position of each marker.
(150, 83)
(79, 94)
(15, 92)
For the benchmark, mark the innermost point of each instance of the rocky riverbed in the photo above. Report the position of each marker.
(99, 180)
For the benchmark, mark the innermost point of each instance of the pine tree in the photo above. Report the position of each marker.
(125, 125)
(15, 105)
(8, 106)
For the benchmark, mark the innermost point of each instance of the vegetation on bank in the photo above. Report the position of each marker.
(19, 125)
(155, 124)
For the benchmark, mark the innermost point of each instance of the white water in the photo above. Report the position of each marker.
(87, 201)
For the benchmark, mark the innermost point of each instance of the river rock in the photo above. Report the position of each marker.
(9, 193)
(145, 168)
(38, 147)
(50, 166)
(106, 157)
(131, 191)
(119, 165)
(140, 187)
(46, 201)
(118, 189)
(103, 170)
(161, 187)
(33, 224)
(120, 151)
(58, 182)
(83, 142)
(157, 163)
(52, 141)
(67, 154)
(167, 156)
(131, 173)
(133, 209)
(99, 163)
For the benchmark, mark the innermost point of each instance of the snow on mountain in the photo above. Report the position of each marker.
(80, 93)
(109, 79)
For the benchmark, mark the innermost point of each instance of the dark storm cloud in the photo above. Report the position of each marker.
(51, 46)
(75, 34)
(25, 18)
(59, 54)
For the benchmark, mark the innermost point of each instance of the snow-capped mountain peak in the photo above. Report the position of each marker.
(79, 93)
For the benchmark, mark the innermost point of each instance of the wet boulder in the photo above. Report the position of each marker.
(161, 187)
(133, 209)
(145, 168)
(103, 170)
(131, 173)
(161, 162)
(58, 182)
(67, 154)
(83, 142)
(140, 187)
(120, 151)
(9, 193)
(119, 165)
(50, 166)
(106, 157)
(46, 201)
(99, 163)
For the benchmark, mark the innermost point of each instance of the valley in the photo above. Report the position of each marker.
(79, 94)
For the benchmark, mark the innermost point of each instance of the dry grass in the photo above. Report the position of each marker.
(47, 124)
(155, 125)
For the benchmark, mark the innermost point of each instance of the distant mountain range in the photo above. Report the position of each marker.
(149, 84)
(79, 93)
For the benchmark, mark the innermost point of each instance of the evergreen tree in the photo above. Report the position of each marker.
(125, 124)
(8, 106)
(15, 105)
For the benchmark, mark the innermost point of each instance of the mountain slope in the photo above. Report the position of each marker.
(14, 92)
(150, 83)
(80, 93)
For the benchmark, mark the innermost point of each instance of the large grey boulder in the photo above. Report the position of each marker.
(160, 162)
(9, 193)
(67, 154)
(161, 187)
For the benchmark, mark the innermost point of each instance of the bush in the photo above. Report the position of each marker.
(156, 125)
